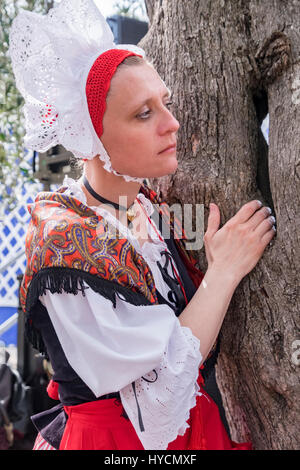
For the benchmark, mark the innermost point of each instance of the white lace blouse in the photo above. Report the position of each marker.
(141, 347)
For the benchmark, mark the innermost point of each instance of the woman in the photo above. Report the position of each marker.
(118, 307)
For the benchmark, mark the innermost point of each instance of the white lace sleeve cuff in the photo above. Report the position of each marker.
(166, 395)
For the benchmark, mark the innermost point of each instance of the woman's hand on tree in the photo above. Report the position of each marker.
(239, 244)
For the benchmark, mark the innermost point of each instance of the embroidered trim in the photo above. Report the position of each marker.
(178, 391)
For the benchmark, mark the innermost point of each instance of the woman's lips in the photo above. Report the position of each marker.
(170, 149)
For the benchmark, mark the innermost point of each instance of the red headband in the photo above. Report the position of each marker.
(98, 83)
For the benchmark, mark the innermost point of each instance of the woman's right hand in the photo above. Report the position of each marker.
(237, 247)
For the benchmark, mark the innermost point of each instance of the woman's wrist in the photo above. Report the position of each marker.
(225, 276)
(206, 310)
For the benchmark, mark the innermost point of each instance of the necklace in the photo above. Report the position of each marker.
(130, 212)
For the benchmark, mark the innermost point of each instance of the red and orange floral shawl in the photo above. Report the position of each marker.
(68, 244)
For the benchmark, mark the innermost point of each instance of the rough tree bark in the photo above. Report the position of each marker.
(229, 63)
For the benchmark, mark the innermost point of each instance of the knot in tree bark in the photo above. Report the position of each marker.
(273, 57)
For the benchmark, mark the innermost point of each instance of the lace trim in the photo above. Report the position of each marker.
(51, 57)
(165, 403)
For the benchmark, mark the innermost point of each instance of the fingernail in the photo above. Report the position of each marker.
(259, 203)
(269, 209)
(273, 219)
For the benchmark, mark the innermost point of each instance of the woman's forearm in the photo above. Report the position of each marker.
(205, 312)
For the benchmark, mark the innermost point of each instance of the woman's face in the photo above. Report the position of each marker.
(137, 124)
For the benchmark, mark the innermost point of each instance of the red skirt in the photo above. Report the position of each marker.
(99, 425)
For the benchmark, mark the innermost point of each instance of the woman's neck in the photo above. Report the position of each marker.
(111, 187)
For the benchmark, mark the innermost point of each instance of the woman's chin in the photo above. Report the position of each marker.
(163, 172)
(168, 167)
(171, 166)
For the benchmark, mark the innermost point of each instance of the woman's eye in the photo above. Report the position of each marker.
(146, 114)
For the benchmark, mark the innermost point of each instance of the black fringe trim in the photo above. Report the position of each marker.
(71, 281)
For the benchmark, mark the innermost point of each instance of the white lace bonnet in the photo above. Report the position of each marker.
(51, 57)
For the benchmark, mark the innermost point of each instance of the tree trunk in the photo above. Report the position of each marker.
(228, 65)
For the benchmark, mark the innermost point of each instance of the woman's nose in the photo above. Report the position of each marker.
(175, 125)
(169, 123)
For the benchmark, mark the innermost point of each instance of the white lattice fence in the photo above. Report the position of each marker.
(12, 246)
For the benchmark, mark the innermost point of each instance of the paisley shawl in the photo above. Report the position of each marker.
(68, 244)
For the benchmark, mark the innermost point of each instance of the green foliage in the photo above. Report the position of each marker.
(132, 8)
(14, 169)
